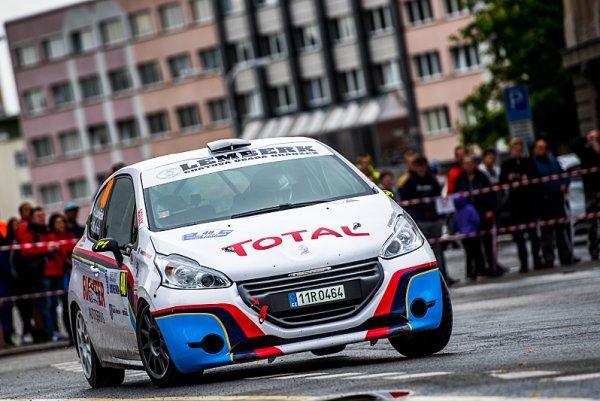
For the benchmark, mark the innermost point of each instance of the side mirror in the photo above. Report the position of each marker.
(109, 245)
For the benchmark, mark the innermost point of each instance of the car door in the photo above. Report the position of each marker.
(120, 225)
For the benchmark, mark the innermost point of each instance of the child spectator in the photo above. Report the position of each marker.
(467, 221)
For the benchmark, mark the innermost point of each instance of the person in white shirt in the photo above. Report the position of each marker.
(488, 165)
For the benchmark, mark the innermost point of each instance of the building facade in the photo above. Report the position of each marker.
(582, 56)
(109, 81)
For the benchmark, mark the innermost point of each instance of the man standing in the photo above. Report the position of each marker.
(386, 182)
(421, 184)
(553, 194)
(457, 169)
(588, 150)
(485, 204)
(71, 212)
(523, 202)
(409, 158)
(488, 166)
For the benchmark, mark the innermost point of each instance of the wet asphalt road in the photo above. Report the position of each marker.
(532, 336)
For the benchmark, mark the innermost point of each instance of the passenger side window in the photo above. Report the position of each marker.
(121, 213)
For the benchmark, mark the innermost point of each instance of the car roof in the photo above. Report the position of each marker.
(205, 152)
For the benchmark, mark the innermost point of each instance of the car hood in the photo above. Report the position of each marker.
(287, 241)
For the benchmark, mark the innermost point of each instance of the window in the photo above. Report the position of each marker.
(98, 136)
(437, 120)
(309, 37)
(26, 191)
(149, 73)
(42, 149)
(180, 66)
(387, 75)
(219, 111)
(202, 10)
(418, 12)
(188, 118)
(273, 45)
(127, 130)
(50, 194)
(78, 189)
(467, 112)
(119, 80)
(210, 60)
(283, 98)
(20, 158)
(62, 94)
(70, 143)
(465, 58)
(26, 55)
(232, 6)
(171, 17)
(121, 213)
(35, 100)
(90, 87)
(242, 51)
(112, 31)
(97, 216)
(428, 66)
(54, 48)
(317, 91)
(82, 41)
(344, 29)
(141, 24)
(352, 84)
(379, 20)
(249, 105)
(158, 123)
(456, 7)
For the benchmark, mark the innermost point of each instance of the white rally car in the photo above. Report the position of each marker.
(247, 250)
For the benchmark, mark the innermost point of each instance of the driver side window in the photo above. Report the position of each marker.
(121, 213)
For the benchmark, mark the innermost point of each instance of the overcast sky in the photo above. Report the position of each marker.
(9, 10)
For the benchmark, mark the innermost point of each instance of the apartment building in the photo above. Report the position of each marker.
(107, 81)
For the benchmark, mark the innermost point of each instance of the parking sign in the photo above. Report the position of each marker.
(518, 111)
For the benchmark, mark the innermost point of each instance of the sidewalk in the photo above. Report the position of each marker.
(24, 349)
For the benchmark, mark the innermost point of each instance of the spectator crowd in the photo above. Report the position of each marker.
(32, 270)
(526, 205)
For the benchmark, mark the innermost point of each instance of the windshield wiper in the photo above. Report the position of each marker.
(283, 206)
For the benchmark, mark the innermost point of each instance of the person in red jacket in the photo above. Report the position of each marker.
(29, 265)
(457, 169)
(54, 273)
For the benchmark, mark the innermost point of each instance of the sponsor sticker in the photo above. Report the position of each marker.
(140, 217)
(123, 284)
(96, 316)
(168, 173)
(93, 291)
(206, 234)
(113, 311)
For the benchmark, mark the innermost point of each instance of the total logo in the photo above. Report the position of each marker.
(263, 244)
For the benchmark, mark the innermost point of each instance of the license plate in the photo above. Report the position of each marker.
(316, 296)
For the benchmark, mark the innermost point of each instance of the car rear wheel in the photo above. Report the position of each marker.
(155, 355)
(96, 375)
(428, 342)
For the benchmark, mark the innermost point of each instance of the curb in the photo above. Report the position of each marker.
(26, 349)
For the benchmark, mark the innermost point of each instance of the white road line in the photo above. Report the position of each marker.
(334, 375)
(300, 376)
(574, 378)
(280, 375)
(374, 375)
(66, 365)
(417, 375)
(527, 374)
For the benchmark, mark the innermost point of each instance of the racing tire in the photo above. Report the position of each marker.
(155, 355)
(428, 342)
(96, 375)
(329, 350)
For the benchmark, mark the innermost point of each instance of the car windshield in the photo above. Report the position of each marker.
(250, 190)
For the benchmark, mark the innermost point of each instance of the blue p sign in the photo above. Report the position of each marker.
(516, 103)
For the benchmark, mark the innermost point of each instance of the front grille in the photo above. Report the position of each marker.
(365, 277)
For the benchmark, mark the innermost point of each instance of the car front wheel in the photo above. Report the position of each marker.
(155, 355)
(96, 375)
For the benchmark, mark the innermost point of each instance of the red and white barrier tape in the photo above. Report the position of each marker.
(31, 245)
(516, 227)
(504, 187)
(32, 296)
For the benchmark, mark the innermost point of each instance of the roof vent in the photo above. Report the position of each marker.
(227, 145)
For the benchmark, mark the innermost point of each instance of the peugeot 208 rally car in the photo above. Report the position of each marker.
(247, 250)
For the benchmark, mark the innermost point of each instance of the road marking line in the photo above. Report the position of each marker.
(574, 378)
(374, 375)
(300, 376)
(334, 375)
(528, 374)
(280, 375)
(417, 375)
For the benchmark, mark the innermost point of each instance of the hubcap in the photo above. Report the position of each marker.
(84, 345)
(153, 347)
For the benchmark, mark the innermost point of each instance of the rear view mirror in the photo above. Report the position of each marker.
(109, 245)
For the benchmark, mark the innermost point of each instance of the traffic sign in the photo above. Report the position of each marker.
(518, 111)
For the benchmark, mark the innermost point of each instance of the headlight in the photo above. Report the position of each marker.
(181, 272)
(406, 238)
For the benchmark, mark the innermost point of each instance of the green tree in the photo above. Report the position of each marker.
(522, 40)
